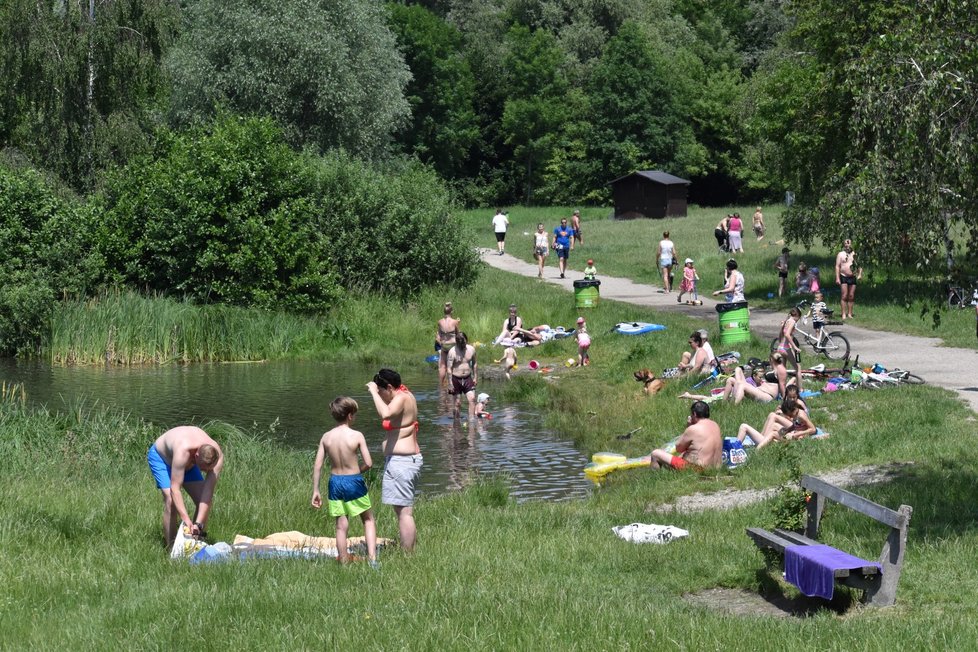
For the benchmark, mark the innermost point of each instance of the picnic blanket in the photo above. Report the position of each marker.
(279, 544)
(812, 568)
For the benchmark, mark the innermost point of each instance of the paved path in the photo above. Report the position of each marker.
(952, 368)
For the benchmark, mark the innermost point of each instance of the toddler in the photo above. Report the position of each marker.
(481, 401)
(583, 343)
(509, 360)
(590, 271)
(688, 284)
(818, 313)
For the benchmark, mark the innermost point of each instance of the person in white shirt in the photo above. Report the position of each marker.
(499, 224)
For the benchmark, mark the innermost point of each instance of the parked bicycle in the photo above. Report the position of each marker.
(958, 297)
(833, 346)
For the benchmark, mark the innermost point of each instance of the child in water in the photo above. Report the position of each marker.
(583, 343)
(688, 284)
(590, 271)
(481, 401)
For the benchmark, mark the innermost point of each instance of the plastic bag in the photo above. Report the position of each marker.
(733, 454)
(649, 533)
(185, 545)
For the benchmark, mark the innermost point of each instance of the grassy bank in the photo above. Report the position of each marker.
(887, 299)
(83, 567)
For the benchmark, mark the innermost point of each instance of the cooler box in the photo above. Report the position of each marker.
(734, 322)
(586, 293)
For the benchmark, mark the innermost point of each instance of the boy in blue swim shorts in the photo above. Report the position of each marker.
(347, 494)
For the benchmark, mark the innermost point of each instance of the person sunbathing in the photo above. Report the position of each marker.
(790, 422)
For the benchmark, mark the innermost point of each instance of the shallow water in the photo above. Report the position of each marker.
(295, 397)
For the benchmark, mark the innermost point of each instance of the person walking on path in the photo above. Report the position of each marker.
(499, 224)
(576, 225)
(445, 331)
(541, 247)
(347, 493)
(666, 256)
(759, 224)
(734, 288)
(847, 272)
(398, 408)
(179, 458)
(563, 244)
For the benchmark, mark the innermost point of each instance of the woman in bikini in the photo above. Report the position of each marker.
(512, 325)
(445, 332)
(788, 422)
(398, 408)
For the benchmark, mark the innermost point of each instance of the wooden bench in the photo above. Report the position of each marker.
(879, 587)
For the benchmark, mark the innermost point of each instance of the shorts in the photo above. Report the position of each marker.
(400, 476)
(783, 274)
(462, 385)
(161, 470)
(665, 262)
(577, 235)
(758, 229)
(540, 251)
(679, 464)
(847, 280)
(348, 495)
(500, 236)
(563, 252)
(818, 325)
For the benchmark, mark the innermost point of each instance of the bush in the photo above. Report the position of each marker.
(47, 254)
(228, 212)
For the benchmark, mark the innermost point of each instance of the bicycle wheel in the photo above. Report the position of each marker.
(911, 379)
(835, 346)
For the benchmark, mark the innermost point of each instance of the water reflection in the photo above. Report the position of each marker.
(296, 395)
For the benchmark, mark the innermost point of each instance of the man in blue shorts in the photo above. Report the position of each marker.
(563, 244)
(179, 459)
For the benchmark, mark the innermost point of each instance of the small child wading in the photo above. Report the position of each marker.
(688, 284)
(583, 343)
(347, 493)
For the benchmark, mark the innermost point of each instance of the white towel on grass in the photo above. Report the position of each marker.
(649, 532)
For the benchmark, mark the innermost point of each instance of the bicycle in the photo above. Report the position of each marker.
(958, 297)
(833, 346)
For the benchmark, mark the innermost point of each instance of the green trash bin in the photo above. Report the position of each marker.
(734, 322)
(586, 293)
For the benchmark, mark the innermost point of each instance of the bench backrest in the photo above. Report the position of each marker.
(891, 557)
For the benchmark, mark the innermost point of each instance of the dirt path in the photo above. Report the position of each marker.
(947, 367)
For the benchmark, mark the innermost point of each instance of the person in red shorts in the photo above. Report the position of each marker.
(699, 447)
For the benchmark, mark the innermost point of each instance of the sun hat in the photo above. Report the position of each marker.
(590, 261)
(785, 250)
(482, 398)
(689, 260)
(580, 320)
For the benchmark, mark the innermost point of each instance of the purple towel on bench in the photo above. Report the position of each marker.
(812, 568)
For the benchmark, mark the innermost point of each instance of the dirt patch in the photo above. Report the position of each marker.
(733, 498)
(738, 602)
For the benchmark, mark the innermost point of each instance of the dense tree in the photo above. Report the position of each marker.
(328, 71)
(79, 78)
(442, 128)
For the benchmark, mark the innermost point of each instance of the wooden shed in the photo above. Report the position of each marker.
(649, 193)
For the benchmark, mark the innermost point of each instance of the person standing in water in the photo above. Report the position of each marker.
(445, 332)
(398, 408)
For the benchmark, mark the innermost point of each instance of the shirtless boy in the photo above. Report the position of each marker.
(846, 275)
(179, 459)
(347, 492)
(398, 408)
(700, 445)
(465, 372)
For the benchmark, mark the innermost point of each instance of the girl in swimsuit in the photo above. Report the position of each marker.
(445, 334)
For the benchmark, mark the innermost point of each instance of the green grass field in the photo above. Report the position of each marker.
(83, 566)
(887, 299)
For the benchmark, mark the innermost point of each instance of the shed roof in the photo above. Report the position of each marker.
(657, 176)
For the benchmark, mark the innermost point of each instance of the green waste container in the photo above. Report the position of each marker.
(586, 293)
(734, 322)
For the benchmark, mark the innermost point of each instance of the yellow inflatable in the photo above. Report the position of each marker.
(604, 463)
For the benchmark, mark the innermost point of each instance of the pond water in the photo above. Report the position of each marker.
(296, 395)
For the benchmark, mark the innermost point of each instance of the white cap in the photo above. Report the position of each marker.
(689, 260)
(482, 398)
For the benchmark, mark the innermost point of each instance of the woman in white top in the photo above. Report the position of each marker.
(541, 247)
(734, 289)
(666, 255)
(499, 224)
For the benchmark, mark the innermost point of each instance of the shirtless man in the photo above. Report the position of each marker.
(700, 445)
(576, 225)
(398, 408)
(846, 275)
(179, 458)
(445, 334)
(465, 373)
